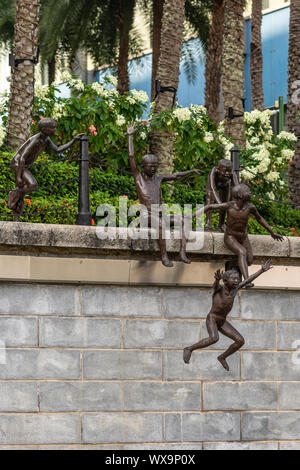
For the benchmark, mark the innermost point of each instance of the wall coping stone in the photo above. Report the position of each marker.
(74, 240)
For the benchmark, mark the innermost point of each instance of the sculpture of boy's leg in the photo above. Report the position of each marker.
(238, 249)
(163, 246)
(222, 213)
(213, 337)
(228, 330)
(16, 196)
(209, 200)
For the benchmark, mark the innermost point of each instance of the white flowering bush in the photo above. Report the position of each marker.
(267, 157)
(97, 110)
(197, 141)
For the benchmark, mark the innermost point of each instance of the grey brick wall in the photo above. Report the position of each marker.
(100, 367)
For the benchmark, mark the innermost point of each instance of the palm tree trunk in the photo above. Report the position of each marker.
(22, 75)
(51, 70)
(294, 100)
(258, 101)
(156, 37)
(233, 69)
(213, 66)
(168, 74)
(125, 21)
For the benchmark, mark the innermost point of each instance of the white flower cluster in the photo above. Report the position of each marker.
(289, 136)
(102, 92)
(262, 156)
(2, 135)
(262, 116)
(76, 84)
(208, 137)
(140, 96)
(247, 175)
(58, 110)
(65, 77)
(41, 91)
(224, 141)
(3, 100)
(287, 154)
(182, 114)
(97, 88)
(272, 176)
(120, 121)
(195, 108)
(112, 80)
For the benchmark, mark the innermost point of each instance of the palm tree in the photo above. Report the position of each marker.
(213, 66)
(233, 69)
(125, 18)
(258, 101)
(293, 100)
(22, 74)
(168, 75)
(7, 21)
(102, 27)
(156, 37)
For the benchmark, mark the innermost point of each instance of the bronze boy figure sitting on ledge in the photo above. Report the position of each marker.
(148, 186)
(222, 303)
(25, 158)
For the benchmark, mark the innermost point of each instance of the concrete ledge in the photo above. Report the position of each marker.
(70, 239)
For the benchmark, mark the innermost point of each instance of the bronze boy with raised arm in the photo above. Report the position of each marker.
(148, 186)
(220, 181)
(222, 303)
(25, 158)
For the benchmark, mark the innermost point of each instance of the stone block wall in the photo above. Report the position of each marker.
(87, 366)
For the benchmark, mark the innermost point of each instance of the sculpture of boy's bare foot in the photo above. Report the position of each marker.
(223, 362)
(249, 286)
(184, 258)
(166, 262)
(187, 352)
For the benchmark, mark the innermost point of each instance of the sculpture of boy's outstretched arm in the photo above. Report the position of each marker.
(64, 147)
(180, 175)
(265, 267)
(265, 224)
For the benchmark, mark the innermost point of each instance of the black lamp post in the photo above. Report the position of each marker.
(235, 158)
(84, 216)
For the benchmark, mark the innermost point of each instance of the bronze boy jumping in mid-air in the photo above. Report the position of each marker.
(25, 158)
(148, 186)
(222, 303)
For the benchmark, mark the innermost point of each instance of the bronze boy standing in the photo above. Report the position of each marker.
(25, 158)
(148, 186)
(222, 303)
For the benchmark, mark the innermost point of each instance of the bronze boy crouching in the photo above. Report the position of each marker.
(25, 158)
